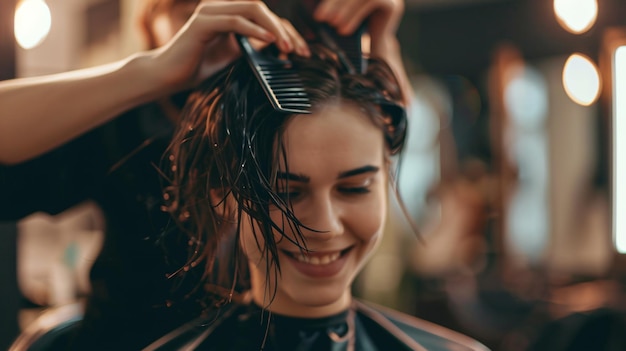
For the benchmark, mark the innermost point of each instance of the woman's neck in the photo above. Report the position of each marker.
(286, 305)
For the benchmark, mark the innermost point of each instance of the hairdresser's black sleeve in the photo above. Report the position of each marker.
(54, 181)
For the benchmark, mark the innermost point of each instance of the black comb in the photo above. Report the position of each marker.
(282, 85)
(348, 47)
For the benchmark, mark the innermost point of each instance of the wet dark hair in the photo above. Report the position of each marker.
(229, 142)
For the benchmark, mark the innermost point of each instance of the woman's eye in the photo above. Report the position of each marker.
(355, 190)
(289, 195)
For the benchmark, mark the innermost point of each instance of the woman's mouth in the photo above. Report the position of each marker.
(317, 260)
(318, 264)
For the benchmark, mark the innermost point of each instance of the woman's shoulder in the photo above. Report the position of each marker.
(418, 333)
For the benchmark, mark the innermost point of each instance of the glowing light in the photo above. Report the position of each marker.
(619, 149)
(528, 223)
(576, 16)
(32, 23)
(526, 98)
(581, 80)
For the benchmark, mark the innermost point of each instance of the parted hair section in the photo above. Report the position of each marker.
(224, 156)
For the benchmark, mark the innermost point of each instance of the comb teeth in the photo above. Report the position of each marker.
(351, 45)
(287, 88)
(348, 47)
(281, 84)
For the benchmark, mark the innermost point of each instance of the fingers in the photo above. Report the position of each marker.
(348, 15)
(345, 15)
(301, 46)
(347, 21)
(326, 10)
(240, 25)
(250, 18)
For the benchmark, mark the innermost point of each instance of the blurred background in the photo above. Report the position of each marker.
(510, 172)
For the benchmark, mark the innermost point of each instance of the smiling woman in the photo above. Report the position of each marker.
(340, 195)
(282, 211)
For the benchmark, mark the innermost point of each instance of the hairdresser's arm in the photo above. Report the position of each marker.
(383, 17)
(41, 113)
(389, 50)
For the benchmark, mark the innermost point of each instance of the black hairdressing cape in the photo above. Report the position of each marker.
(363, 327)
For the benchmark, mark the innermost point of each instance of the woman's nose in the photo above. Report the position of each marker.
(325, 218)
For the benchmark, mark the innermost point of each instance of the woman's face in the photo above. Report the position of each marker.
(337, 185)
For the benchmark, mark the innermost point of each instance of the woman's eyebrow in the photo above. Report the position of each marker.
(346, 174)
(292, 176)
(357, 171)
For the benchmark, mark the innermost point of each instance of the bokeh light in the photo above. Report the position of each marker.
(526, 98)
(576, 16)
(581, 80)
(619, 149)
(32, 23)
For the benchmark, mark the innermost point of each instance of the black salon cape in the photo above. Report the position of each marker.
(362, 327)
(114, 166)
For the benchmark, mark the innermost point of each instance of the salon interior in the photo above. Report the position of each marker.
(511, 173)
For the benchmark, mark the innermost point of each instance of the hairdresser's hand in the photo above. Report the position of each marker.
(206, 42)
(382, 16)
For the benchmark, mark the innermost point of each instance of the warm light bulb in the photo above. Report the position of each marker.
(32, 23)
(619, 149)
(576, 16)
(581, 80)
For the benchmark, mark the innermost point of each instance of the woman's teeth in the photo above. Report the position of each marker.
(318, 260)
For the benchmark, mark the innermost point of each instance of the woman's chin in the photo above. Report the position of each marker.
(315, 303)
